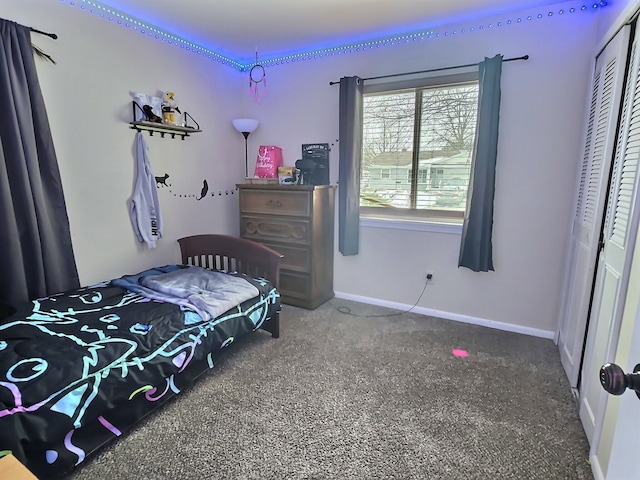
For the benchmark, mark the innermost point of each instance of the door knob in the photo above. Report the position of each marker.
(615, 381)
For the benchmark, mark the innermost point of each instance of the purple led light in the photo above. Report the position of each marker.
(363, 46)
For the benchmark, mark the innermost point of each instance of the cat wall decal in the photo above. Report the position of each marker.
(162, 181)
(205, 189)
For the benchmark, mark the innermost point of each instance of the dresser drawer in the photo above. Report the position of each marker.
(295, 258)
(275, 202)
(294, 285)
(275, 228)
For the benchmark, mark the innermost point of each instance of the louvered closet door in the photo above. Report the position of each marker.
(599, 141)
(619, 234)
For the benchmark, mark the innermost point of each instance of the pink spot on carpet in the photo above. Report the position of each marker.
(459, 353)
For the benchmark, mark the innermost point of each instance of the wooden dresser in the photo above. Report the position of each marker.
(298, 222)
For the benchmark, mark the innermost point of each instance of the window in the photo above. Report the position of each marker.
(417, 147)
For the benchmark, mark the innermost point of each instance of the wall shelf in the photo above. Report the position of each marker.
(162, 128)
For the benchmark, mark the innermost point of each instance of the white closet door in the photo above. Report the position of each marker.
(599, 141)
(619, 235)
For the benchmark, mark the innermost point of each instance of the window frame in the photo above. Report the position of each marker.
(467, 75)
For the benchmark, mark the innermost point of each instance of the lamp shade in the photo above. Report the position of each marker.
(245, 125)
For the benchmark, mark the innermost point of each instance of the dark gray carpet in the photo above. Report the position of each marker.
(342, 397)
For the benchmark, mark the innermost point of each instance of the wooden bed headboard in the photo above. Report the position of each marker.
(225, 252)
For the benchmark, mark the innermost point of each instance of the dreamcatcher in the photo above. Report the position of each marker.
(257, 75)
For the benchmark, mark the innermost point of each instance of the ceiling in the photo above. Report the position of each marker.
(239, 28)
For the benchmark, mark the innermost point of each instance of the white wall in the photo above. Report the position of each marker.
(616, 14)
(87, 95)
(543, 104)
(89, 107)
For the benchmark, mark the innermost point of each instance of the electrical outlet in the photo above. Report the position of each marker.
(430, 275)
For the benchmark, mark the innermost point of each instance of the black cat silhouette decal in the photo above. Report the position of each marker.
(162, 181)
(205, 189)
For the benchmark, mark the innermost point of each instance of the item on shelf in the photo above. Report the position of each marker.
(307, 167)
(152, 117)
(286, 175)
(169, 109)
(261, 181)
(269, 159)
(155, 104)
(318, 153)
(143, 120)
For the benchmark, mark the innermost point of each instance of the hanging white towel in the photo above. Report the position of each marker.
(144, 207)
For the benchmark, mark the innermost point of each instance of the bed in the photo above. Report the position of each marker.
(79, 369)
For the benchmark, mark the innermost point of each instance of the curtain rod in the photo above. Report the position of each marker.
(524, 57)
(52, 35)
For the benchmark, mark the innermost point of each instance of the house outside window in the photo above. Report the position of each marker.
(418, 139)
(437, 177)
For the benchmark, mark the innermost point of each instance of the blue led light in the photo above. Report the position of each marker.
(172, 40)
(137, 25)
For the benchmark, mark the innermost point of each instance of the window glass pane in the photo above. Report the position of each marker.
(448, 127)
(428, 173)
(387, 149)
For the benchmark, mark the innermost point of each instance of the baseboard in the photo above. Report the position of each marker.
(595, 468)
(534, 332)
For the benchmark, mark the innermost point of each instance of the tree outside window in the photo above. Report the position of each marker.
(418, 148)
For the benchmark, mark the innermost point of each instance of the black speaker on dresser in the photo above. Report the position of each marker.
(318, 153)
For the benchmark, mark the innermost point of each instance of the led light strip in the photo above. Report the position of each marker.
(412, 37)
(170, 39)
(127, 21)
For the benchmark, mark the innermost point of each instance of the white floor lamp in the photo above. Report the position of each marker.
(245, 126)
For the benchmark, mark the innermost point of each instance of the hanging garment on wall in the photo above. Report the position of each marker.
(144, 207)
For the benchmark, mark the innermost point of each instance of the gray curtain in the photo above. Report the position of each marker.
(350, 133)
(36, 256)
(476, 251)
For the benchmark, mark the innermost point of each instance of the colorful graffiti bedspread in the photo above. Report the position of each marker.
(79, 369)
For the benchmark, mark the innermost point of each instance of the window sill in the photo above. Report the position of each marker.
(423, 225)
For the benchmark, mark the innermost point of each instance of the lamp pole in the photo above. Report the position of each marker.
(246, 154)
(245, 126)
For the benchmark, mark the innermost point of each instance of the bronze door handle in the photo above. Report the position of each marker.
(615, 381)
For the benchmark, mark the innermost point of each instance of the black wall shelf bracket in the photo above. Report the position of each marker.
(163, 128)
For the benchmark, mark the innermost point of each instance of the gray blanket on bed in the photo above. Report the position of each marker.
(205, 290)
